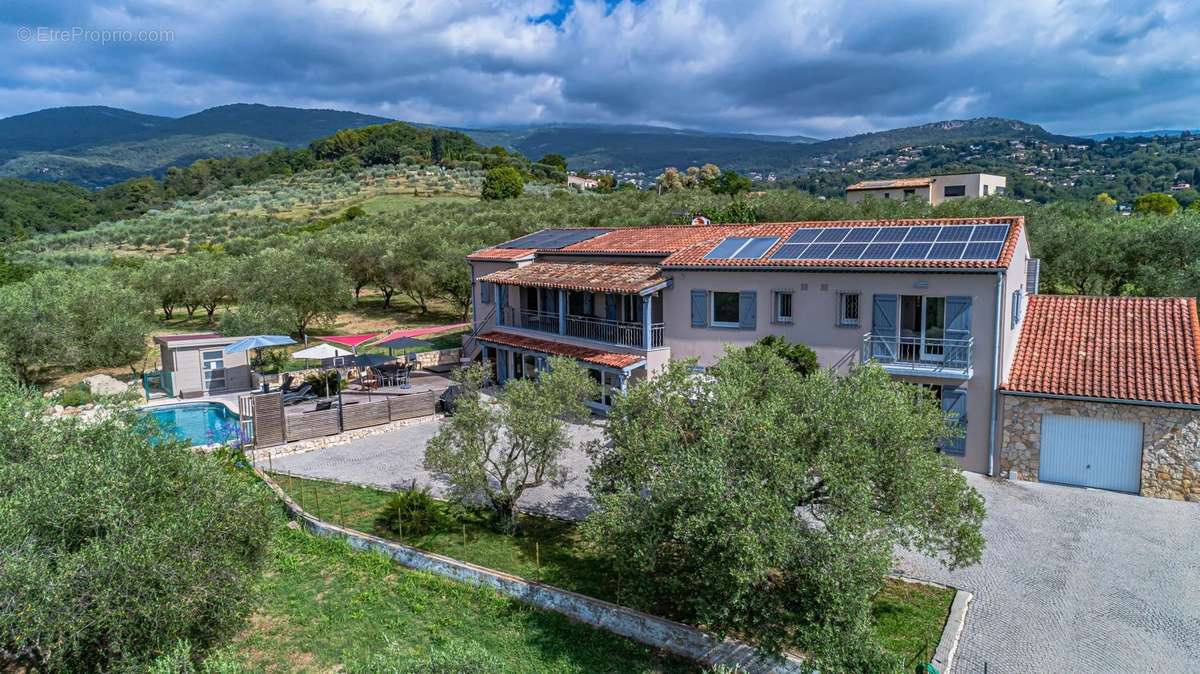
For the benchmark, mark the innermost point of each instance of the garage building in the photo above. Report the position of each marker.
(1104, 392)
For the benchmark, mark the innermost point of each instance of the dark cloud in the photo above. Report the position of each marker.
(819, 67)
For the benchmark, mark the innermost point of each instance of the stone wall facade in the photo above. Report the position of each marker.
(1170, 441)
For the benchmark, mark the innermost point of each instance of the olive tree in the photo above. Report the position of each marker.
(114, 549)
(500, 451)
(765, 503)
(283, 282)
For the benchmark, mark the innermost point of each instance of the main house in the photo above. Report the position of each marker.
(937, 302)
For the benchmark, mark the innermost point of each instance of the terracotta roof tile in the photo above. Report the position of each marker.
(1124, 348)
(604, 278)
(653, 240)
(588, 355)
(501, 254)
(694, 255)
(890, 184)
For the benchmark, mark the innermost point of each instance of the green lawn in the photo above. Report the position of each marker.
(324, 607)
(909, 617)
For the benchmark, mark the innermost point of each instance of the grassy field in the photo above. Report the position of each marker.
(909, 618)
(323, 607)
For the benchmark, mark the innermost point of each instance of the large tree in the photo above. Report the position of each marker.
(761, 502)
(502, 182)
(498, 453)
(288, 282)
(112, 548)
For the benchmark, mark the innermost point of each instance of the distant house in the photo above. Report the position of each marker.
(582, 183)
(932, 189)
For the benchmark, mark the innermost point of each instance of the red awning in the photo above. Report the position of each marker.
(423, 332)
(350, 341)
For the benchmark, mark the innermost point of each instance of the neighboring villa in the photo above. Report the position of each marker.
(933, 189)
(940, 303)
(581, 183)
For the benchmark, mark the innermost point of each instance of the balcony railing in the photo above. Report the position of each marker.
(920, 355)
(591, 328)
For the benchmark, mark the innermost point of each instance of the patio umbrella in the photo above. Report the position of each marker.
(372, 360)
(351, 342)
(402, 343)
(258, 343)
(320, 352)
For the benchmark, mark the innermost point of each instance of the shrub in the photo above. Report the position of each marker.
(800, 356)
(76, 395)
(326, 383)
(503, 182)
(113, 550)
(413, 512)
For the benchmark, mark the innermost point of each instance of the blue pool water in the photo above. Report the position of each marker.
(197, 423)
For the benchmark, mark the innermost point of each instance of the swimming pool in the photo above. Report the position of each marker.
(197, 423)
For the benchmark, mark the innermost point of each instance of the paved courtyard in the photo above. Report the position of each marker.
(1072, 580)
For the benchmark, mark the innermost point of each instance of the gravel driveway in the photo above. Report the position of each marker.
(1072, 580)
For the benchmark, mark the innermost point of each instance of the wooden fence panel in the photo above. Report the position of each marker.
(268, 420)
(363, 414)
(312, 425)
(412, 406)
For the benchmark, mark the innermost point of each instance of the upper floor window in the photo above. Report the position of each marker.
(485, 292)
(848, 309)
(954, 191)
(725, 310)
(783, 306)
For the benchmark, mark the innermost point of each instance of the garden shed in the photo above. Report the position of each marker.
(196, 365)
(1104, 392)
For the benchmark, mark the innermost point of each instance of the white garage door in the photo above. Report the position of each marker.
(1100, 453)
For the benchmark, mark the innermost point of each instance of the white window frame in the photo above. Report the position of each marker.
(777, 306)
(712, 309)
(842, 305)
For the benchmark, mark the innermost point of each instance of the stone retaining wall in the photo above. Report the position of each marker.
(1170, 441)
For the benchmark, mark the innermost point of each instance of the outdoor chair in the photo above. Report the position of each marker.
(301, 394)
(285, 386)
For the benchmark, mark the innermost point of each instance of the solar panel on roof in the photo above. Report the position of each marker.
(789, 251)
(756, 248)
(880, 251)
(990, 233)
(727, 248)
(861, 235)
(923, 234)
(804, 235)
(912, 251)
(818, 251)
(832, 235)
(986, 250)
(849, 251)
(946, 251)
(891, 234)
(554, 239)
(955, 234)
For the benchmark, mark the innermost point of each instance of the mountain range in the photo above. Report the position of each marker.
(97, 146)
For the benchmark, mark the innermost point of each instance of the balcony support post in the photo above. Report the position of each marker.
(501, 303)
(647, 324)
(562, 312)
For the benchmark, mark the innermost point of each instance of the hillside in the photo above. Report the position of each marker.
(646, 150)
(97, 146)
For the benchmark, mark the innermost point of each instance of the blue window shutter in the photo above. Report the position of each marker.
(610, 306)
(954, 402)
(958, 331)
(589, 304)
(699, 308)
(1016, 308)
(883, 328)
(502, 365)
(747, 309)
(485, 292)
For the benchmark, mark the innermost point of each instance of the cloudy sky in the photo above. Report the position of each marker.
(817, 67)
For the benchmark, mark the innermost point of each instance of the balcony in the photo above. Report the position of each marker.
(594, 329)
(920, 356)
